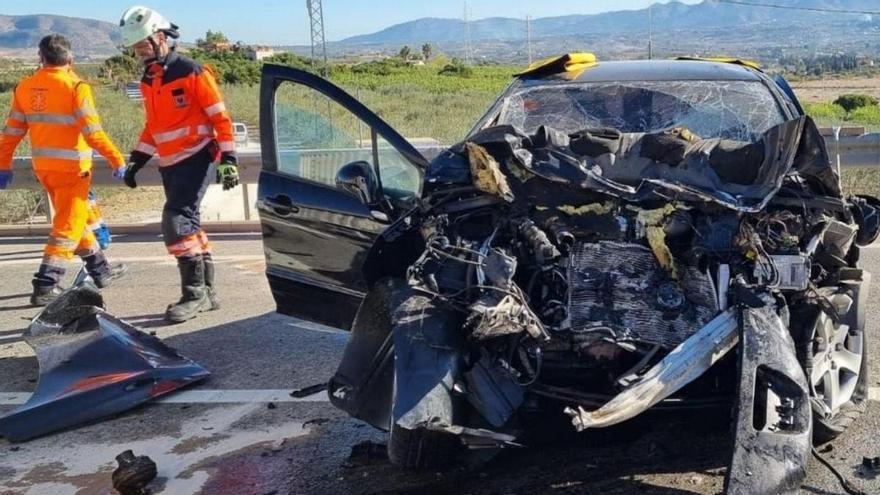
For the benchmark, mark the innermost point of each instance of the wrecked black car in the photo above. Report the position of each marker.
(609, 238)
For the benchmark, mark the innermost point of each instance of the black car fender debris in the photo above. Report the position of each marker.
(92, 365)
(773, 426)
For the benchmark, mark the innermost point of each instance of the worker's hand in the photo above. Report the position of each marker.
(136, 161)
(119, 172)
(5, 178)
(227, 171)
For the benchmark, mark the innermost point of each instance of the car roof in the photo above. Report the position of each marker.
(650, 70)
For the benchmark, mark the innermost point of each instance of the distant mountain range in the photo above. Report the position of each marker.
(709, 27)
(20, 35)
(669, 16)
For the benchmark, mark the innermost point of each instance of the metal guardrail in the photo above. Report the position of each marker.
(249, 165)
(320, 165)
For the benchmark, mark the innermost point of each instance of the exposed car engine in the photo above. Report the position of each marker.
(573, 285)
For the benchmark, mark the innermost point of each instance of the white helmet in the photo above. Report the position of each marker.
(139, 23)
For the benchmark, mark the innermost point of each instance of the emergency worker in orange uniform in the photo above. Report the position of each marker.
(188, 127)
(57, 109)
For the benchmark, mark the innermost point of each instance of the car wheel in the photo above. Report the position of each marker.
(838, 372)
(421, 448)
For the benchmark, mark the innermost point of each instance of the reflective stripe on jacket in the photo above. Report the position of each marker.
(57, 108)
(184, 109)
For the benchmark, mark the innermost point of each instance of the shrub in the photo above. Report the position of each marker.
(852, 102)
(456, 68)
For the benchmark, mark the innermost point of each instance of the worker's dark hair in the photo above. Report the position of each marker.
(55, 50)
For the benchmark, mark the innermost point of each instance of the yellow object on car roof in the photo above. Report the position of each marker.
(726, 60)
(570, 62)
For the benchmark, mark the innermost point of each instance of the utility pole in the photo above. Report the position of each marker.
(650, 32)
(319, 47)
(467, 36)
(529, 36)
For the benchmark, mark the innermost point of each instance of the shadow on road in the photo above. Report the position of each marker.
(23, 295)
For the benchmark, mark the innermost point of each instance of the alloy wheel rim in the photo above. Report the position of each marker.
(837, 362)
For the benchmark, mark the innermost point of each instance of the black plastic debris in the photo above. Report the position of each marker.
(307, 391)
(133, 474)
(871, 464)
(92, 365)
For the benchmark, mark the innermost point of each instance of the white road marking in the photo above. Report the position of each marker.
(146, 259)
(874, 394)
(317, 327)
(201, 397)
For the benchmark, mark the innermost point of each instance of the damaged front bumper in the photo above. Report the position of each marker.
(92, 365)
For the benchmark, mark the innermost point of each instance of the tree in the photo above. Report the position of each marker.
(405, 53)
(122, 68)
(427, 49)
(211, 39)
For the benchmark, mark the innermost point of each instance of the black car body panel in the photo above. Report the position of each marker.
(317, 236)
(92, 365)
(773, 424)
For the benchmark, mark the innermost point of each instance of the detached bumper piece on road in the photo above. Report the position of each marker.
(92, 365)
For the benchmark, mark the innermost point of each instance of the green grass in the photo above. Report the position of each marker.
(829, 114)
(861, 180)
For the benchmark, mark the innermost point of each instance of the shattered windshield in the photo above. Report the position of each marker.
(738, 110)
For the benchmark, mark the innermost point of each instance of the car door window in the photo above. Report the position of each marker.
(316, 136)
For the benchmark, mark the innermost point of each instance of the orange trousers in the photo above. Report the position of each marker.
(69, 193)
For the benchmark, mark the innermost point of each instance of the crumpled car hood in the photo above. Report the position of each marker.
(638, 167)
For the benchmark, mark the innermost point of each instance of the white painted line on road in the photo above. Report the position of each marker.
(317, 327)
(145, 259)
(239, 397)
(201, 397)
(874, 394)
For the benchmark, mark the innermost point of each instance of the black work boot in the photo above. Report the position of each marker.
(45, 284)
(194, 295)
(102, 271)
(208, 260)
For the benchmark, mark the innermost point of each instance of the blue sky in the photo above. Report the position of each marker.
(286, 22)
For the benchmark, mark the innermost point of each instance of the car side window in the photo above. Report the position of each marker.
(315, 137)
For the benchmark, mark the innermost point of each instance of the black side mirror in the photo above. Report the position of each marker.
(359, 179)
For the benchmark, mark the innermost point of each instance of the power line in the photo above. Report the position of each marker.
(790, 7)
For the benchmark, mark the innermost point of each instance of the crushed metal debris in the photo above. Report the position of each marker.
(133, 474)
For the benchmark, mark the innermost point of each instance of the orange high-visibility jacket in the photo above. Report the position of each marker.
(58, 110)
(185, 111)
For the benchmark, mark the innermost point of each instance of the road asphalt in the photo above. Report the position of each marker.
(241, 432)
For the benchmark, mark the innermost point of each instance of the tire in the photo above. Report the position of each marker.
(422, 449)
(828, 424)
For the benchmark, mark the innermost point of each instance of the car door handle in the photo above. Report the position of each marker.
(281, 206)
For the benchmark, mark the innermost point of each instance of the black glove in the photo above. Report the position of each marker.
(136, 161)
(227, 171)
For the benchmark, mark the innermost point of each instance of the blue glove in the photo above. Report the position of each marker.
(102, 233)
(119, 173)
(5, 178)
